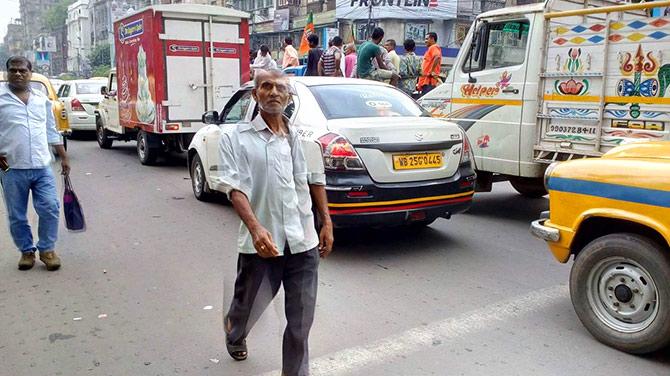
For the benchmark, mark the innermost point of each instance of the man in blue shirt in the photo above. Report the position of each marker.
(27, 129)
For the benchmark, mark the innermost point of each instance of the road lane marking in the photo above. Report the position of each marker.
(417, 339)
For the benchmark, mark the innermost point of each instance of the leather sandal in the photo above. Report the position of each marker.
(237, 352)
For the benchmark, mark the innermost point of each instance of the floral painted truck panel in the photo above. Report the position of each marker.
(169, 72)
(607, 84)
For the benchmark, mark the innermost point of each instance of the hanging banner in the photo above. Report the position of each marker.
(399, 9)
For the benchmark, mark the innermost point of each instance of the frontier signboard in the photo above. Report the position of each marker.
(399, 9)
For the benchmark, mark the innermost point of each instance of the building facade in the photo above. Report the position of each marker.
(272, 20)
(78, 37)
(14, 38)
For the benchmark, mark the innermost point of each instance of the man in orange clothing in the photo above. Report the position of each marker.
(430, 69)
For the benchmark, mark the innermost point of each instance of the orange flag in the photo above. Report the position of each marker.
(309, 29)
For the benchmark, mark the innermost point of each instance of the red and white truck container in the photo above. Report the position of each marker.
(174, 62)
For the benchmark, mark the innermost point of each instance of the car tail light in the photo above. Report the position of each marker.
(339, 154)
(467, 150)
(76, 105)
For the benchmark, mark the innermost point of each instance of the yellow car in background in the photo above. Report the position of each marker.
(613, 214)
(41, 83)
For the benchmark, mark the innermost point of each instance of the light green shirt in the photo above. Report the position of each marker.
(272, 172)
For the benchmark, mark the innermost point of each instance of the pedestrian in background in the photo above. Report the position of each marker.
(265, 177)
(392, 55)
(430, 69)
(370, 52)
(27, 131)
(290, 54)
(264, 60)
(410, 68)
(350, 60)
(314, 55)
(331, 61)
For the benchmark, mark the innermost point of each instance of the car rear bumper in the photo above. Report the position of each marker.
(82, 121)
(354, 199)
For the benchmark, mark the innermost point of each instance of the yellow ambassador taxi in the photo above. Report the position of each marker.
(613, 214)
(41, 83)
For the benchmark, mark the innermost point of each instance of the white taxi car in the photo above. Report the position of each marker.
(81, 98)
(387, 162)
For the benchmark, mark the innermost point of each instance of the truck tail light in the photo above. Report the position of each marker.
(172, 126)
(76, 105)
(467, 150)
(339, 154)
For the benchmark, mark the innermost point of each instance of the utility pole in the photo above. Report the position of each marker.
(368, 29)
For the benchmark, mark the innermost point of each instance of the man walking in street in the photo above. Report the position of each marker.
(264, 173)
(314, 56)
(430, 69)
(290, 54)
(331, 60)
(371, 51)
(27, 130)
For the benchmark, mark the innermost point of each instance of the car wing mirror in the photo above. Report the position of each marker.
(211, 117)
(103, 90)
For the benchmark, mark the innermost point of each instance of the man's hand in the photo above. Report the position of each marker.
(64, 161)
(326, 239)
(4, 166)
(65, 167)
(263, 243)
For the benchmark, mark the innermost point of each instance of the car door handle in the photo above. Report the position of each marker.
(510, 90)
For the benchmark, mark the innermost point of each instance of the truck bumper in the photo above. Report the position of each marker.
(546, 233)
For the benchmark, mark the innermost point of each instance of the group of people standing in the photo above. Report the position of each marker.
(411, 73)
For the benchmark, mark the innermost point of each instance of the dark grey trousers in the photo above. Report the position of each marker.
(258, 282)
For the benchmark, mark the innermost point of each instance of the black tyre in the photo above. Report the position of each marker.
(620, 289)
(147, 154)
(102, 135)
(529, 187)
(199, 184)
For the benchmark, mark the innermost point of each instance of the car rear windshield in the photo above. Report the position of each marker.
(90, 87)
(361, 101)
(36, 85)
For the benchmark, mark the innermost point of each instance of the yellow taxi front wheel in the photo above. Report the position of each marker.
(620, 290)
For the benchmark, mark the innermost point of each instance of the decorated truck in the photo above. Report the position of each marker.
(173, 63)
(556, 81)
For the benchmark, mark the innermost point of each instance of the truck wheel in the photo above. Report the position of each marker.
(620, 290)
(102, 135)
(529, 187)
(146, 154)
(201, 190)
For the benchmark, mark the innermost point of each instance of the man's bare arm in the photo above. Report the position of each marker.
(320, 201)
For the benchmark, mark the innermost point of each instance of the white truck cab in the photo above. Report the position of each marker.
(557, 81)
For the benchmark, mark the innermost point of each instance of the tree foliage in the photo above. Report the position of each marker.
(56, 16)
(99, 56)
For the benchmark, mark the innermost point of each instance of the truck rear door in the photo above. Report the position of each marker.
(193, 84)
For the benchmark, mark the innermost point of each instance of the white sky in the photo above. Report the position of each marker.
(10, 10)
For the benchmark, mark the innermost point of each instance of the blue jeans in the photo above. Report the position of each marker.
(16, 184)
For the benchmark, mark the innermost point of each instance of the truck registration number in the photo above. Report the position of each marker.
(572, 129)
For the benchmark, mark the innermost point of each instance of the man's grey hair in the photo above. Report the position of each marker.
(271, 72)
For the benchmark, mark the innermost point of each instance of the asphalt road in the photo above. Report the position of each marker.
(474, 295)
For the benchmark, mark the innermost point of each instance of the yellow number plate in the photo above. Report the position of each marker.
(417, 161)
